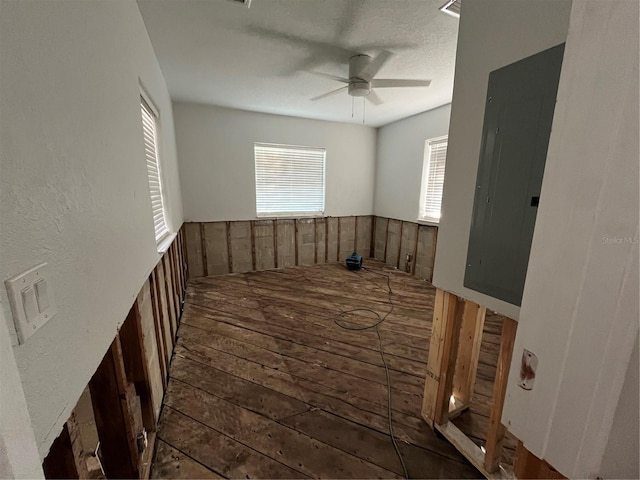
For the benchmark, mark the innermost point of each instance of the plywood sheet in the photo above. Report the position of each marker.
(216, 249)
(408, 246)
(194, 249)
(321, 240)
(363, 235)
(393, 242)
(306, 238)
(240, 238)
(425, 253)
(151, 348)
(263, 244)
(380, 238)
(347, 243)
(286, 243)
(332, 239)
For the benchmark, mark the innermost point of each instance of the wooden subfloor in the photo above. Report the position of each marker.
(263, 384)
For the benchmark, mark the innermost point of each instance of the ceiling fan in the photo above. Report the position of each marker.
(361, 82)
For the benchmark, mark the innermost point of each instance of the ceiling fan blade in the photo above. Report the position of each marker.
(329, 76)
(328, 94)
(375, 65)
(392, 83)
(374, 98)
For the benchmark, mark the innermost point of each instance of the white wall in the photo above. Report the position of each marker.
(492, 34)
(579, 310)
(74, 191)
(400, 157)
(19, 456)
(217, 169)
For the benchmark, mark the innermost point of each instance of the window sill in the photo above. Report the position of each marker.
(276, 216)
(431, 223)
(165, 242)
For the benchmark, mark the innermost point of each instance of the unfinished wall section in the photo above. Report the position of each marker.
(216, 248)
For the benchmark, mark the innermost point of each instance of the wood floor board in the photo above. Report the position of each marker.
(263, 384)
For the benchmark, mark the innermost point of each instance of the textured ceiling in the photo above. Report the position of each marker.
(221, 53)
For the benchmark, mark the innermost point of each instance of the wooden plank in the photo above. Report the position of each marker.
(117, 442)
(469, 352)
(172, 463)
(216, 451)
(496, 432)
(443, 311)
(169, 333)
(393, 242)
(203, 249)
(146, 459)
(193, 240)
(217, 248)
(448, 363)
(376, 447)
(297, 451)
(425, 252)
(472, 452)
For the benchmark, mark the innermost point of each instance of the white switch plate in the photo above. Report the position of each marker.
(31, 298)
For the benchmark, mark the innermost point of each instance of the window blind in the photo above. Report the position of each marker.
(150, 134)
(433, 178)
(289, 179)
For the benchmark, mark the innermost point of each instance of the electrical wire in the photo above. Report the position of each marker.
(340, 323)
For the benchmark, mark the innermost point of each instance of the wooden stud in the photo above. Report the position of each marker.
(203, 248)
(326, 239)
(134, 356)
(400, 244)
(415, 252)
(296, 240)
(65, 459)
(275, 243)
(386, 240)
(355, 236)
(372, 244)
(113, 418)
(338, 243)
(468, 353)
(315, 241)
(253, 245)
(229, 251)
(168, 298)
(434, 407)
(495, 435)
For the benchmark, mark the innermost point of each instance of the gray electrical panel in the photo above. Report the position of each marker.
(517, 124)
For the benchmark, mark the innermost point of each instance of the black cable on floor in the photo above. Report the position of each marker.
(340, 323)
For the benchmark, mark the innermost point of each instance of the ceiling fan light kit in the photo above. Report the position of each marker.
(362, 70)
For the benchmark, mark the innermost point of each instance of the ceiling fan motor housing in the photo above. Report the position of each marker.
(358, 86)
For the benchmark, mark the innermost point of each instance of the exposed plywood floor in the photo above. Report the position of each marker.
(265, 385)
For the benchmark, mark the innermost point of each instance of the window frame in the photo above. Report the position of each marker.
(147, 104)
(290, 214)
(423, 217)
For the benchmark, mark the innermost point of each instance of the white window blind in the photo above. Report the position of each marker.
(150, 133)
(290, 180)
(435, 157)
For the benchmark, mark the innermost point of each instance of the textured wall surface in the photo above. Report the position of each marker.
(74, 188)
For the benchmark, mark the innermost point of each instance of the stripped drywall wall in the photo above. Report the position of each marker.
(492, 34)
(76, 195)
(242, 246)
(217, 166)
(399, 162)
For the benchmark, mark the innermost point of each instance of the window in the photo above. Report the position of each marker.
(150, 134)
(435, 157)
(290, 180)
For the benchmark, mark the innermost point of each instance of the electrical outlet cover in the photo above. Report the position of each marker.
(31, 297)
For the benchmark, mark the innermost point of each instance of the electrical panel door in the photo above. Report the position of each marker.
(517, 124)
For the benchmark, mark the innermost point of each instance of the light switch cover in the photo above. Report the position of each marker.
(31, 298)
